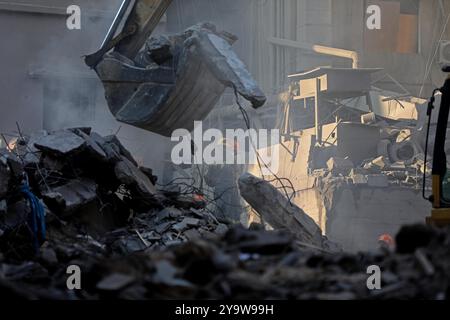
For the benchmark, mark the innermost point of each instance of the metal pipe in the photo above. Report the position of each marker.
(336, 52)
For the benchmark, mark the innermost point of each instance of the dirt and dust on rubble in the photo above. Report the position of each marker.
(135, 239)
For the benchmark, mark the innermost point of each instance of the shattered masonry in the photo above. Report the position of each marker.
(135, 240)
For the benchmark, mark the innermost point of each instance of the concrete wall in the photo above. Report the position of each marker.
(362, 214)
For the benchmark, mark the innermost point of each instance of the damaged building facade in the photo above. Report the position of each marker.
(354, 131)
(349, 105)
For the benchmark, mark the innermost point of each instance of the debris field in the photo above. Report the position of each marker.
(135, 239)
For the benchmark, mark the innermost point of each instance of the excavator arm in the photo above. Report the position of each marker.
(141, 18)
(165, 83)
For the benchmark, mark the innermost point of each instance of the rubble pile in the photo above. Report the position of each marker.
(242, 264)
(92, 187)
(133, 239)
(399, 161)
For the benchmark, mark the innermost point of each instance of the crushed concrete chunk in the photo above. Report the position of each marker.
(169, 212)
(192, 234)
(185, 224)
(359, 178)
(4, 179)
(227, 67)
(128, 174)
(62, 142)
(166, 274)
(111, 150)
(159, 49)
(27, 151)
(377, 164)
(276, 210)
(72, 196)
(94, 149)
(3, 207)
(221, 229)
(13, 163)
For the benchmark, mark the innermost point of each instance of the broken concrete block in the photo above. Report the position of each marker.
(159, 49)
(227, 66)
(27, 151)
(13, 163)
(359, 178)
(71, 197)
(62, 142)
(128, 174)
(192, 234)
(163, 227)
(129, 245)
(3, 207)
(221, 229)
(118, 147)
(339, 166)
(380, 162)
(168, 213)
(53, 163)
(377, 180)
(377, 164)
(261, 242)
(94, 149)
(85, 130)
(166, 274)
(185, 224)
(358, 170)
(276, 210)
(48, 256)
(111, 150)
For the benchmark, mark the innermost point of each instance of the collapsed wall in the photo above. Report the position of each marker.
(364, 182)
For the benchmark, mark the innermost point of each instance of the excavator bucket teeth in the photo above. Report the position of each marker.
(175, 80)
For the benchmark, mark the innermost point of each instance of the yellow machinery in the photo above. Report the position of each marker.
(440, 197)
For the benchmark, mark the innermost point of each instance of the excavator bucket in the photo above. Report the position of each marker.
(173, 80)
